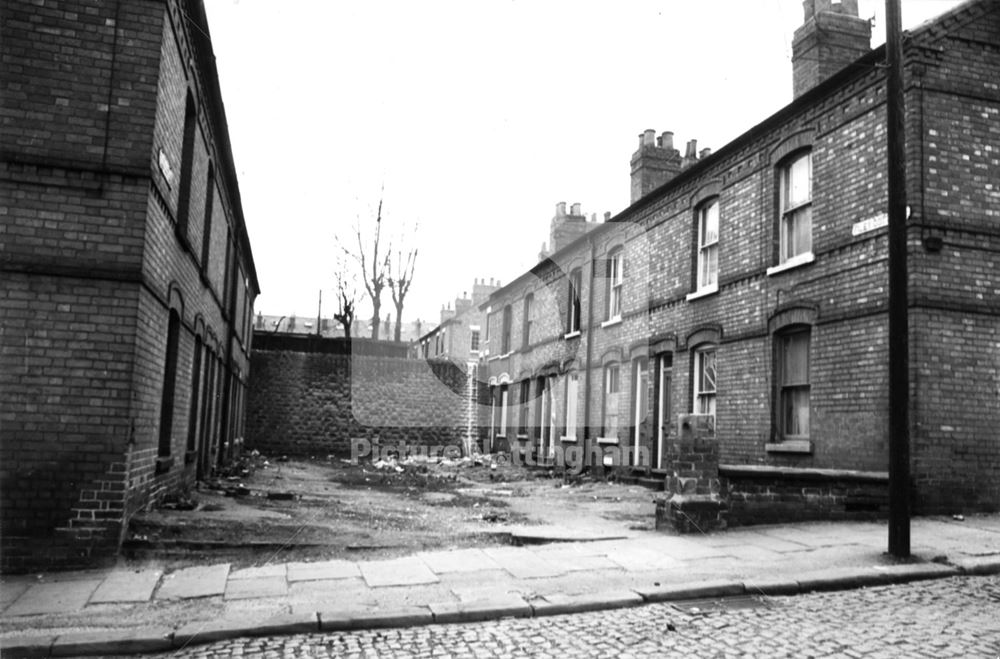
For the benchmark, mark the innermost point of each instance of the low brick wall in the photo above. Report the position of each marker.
(770, 495)
(312, 396)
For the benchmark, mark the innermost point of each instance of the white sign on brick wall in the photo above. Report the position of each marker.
(871, 224)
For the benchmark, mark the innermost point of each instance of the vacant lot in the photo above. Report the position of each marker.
(275, 510)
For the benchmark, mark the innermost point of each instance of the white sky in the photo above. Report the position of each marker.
(477, 117)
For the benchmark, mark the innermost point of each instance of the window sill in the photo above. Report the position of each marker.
(612, 322)
(571, 439)
(802, 446)
(572, 335)
(702, 292)
(607, 440)
(794, 262)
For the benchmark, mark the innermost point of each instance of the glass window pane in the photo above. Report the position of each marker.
(795, 359)
(708, 371)
(796, 411)
(799, 183)
(710, 224)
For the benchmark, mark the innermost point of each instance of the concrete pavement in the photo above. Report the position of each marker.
(148, 609)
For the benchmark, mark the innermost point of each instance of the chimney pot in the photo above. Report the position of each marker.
(648, 137)
(704, 153)
(607, 216)
(667, 140)
(561, 209)
(692, 149)
(575, 209)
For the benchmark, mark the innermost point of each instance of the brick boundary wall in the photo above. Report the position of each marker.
(310, 396)
(768, 495)
(703, 495)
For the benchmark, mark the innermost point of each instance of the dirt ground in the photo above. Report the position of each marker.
(283, 510)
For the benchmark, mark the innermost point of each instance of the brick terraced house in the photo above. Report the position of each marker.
(750, 285)
(128, 282)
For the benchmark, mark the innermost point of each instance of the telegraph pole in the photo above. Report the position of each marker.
(899, 376)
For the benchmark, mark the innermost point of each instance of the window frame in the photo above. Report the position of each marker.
(571, 408)
(781, 342)
(474, 339)
(791, 211)
(704, 248)
(611, 385)
(615, 286)
(525, 402)
(573, 307)
(505, 330)
(529, 300)
(702, 398)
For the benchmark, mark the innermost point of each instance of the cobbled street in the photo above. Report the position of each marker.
(958, 617)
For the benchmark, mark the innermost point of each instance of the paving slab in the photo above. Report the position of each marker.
(274, 570)
(256, 588)
(113, 641)
(191, 582)
(458, 560)
(11, 589)
(54, 597)
(407, 571)
(525, 564)
(127, 586)
(487, 592)
(586, 563)
(641, 559)
(322, 571)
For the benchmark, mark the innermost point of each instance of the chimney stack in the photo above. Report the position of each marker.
(831, 37)
(564, 228)
(654, 163)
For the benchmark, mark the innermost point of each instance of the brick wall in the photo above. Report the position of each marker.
(314, 397)
(840, 292)
(91, 265)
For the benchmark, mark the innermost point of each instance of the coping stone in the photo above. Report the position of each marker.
(476, 611)
(27, 646)
(348, 619)
(691, 590)
(227, 628)
(113, 641)
(557, 604)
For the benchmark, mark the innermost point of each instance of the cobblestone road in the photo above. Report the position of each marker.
(957, 617)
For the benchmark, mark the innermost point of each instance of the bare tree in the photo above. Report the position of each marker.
(347, 295)
(374, 268)
(400, 280)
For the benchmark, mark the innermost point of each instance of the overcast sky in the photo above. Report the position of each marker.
(476, 118)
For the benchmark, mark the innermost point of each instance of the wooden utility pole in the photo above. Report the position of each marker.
(899, 343)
